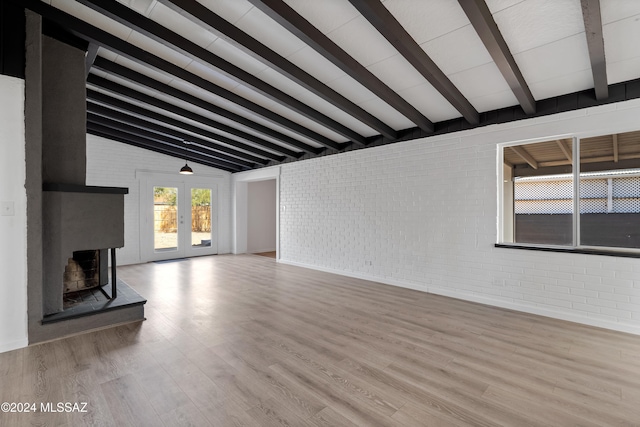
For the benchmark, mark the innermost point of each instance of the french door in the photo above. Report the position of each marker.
(180, 219)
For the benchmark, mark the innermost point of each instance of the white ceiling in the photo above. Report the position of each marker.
(546, 37)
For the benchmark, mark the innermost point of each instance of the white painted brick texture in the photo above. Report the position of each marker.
(114, 164)
(422, 214)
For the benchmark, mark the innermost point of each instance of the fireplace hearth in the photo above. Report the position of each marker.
(89, 302)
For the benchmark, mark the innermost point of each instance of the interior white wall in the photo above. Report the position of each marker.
(261, 216)
(240, 217)
(13, 216)
(114, 164)
(423, 214)
(240, 201)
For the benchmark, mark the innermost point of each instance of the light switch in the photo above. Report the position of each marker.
(7, 209)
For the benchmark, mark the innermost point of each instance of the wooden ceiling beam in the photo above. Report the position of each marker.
(147, 144)
(588, 160)
(282, 13)
(387, 25)
(615, 147)
(554, 163)
(126, 107)
(140, 79)
(165, 139)
(95, 35)
(478, 13)
(566, 150)
(133, 96)
(524, 155)
(220, 151)
(595, 43)
(629, 156)
(92, 54)
(126, 16)
(206, 18)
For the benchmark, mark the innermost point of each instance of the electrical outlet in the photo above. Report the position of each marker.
(7, 209)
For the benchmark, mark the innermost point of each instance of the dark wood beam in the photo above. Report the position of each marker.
(624, 162)
(220, 151)
(137, 141)
(380, 17)
(168, 141)
(300, 27)
(478, 13)
(163, 141)
(140, 79)
(157, 32)
(206, 18)
(12, 39)
(595, 43)
(131, 109)
(526, 170)
(92, 54)
(137, 97)
(95, 35)
(58, 32)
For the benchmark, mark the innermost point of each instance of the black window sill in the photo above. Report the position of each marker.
(606, 252)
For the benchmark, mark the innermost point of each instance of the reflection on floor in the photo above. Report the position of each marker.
(271, 254)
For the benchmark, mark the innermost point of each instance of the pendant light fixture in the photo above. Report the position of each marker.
(186, 170)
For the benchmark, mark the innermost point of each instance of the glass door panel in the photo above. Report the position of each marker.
(180, 219)
(165, 219)
(200, 217)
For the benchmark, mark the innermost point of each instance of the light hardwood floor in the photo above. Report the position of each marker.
(242, 340)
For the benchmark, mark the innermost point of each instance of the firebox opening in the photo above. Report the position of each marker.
(84, 274)
(82, 271)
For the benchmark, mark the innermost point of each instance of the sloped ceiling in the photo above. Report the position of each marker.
(240, 84)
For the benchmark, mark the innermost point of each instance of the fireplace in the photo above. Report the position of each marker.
(67, 219)
(85, 270)
(77, 219)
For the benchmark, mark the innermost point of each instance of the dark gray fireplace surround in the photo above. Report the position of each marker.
(76, 218)
(64, 215)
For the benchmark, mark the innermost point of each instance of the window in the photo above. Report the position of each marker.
(551, 198)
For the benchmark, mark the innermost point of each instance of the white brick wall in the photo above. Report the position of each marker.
(114, 164)
(422, 214)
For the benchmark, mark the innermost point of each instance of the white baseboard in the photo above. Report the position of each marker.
(461, 295)
(14, 345)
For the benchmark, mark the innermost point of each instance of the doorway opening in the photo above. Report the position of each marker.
(261, 217)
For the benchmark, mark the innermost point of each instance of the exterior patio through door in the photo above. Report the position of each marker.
(180, 219)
